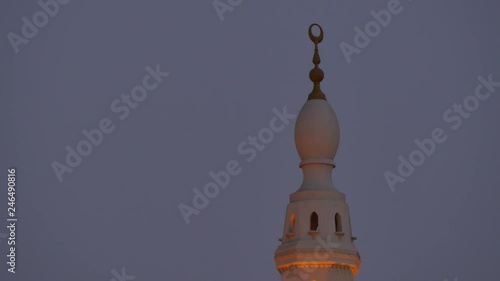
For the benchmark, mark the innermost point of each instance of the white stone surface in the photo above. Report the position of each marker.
(327, 253)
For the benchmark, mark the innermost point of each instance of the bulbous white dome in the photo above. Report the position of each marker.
(317, 131)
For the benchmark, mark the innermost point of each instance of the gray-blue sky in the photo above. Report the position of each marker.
(119, 207)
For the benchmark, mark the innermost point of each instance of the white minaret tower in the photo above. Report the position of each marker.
(317, 243)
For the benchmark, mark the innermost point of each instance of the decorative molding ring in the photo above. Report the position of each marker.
(318, 160)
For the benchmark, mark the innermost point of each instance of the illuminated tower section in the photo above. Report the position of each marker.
(317, 242)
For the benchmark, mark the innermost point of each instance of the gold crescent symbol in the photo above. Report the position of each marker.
(316, 39)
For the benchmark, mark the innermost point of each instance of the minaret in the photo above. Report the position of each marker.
(317, 243)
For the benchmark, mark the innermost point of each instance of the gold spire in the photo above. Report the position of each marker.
(316, 74)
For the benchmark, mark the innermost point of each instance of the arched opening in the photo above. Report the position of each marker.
(291, 223)
(314, 221)
(338, 223)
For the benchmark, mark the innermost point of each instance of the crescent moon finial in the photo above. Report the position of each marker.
(316, 74)
(316, 39)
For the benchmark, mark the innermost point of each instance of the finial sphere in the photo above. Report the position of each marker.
(316, 39)
(316, 75)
